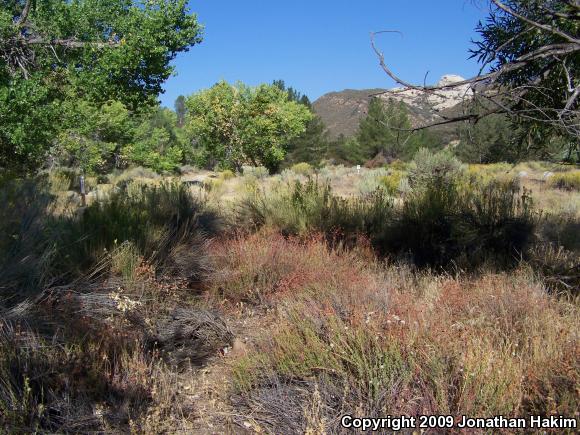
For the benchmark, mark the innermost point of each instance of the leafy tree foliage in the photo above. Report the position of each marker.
(533, 46)
(386, 131)
(311, 146)
(492, 139)
(237, 124)
(57, 54)
(96, 137)
(180, 110)
(159, 143)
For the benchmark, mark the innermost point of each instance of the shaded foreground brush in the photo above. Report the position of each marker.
(404, 344)
(438, 224)
(40, 248)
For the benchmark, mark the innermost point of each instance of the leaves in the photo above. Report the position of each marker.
(239, 124)
(82, 54)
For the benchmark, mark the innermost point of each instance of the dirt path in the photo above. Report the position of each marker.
(209, 386)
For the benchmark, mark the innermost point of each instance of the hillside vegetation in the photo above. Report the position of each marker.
(257, 302)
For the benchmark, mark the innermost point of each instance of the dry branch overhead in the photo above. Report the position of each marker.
(531, 74)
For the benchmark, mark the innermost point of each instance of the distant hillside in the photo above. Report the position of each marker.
(342, 111)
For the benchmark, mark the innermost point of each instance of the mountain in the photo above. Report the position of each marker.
(342, 111)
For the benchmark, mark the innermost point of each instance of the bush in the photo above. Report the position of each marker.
(428, 168)
(440, 225)
(302, 168)
(392, 181)
(258, 172)
(40, 248)
(299, 209)
(370, 180)
(227, 174)
(566, 180)
(400, 353)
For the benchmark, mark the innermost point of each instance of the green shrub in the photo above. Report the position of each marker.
(428, 168)
(227, 174)
(440, 225)
(302, 168)
(398, 165)
(392, 181)
(301, 208)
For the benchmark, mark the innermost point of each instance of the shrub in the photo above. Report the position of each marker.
(392, 181)
(398, 165)
(227, 174)
(428, 168)
(153, 218)
(302, 168)
(371, 180)
(39, 248)
(265, 266)
(440, 225)
(137, 173)
(566, 180)
(301, 208)
(258, 172)
(401, 353)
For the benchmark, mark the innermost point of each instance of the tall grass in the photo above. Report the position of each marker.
(40, 248)
(301, 208)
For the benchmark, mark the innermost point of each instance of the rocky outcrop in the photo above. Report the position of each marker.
(342, 111)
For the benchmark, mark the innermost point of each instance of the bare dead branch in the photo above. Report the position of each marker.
(24, 15)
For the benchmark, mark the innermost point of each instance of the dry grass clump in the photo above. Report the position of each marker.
(265, 266)
(86, 329)
(566, 180)
(302, 168)
(411, 344)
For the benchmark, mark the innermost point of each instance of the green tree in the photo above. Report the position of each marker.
(533, 50)
(56, 53)
(158, 142)
(387, 130)
(293, 94)
(180, 110)
(97, 140)
(239, 125)
(490, 140)
(311, 146)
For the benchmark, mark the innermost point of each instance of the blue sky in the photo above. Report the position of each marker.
(319, 46)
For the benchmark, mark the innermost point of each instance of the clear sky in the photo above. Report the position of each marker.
(318, 46)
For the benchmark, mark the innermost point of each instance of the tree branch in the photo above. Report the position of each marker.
(72, 43)
(24, 15)
(545, 27)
